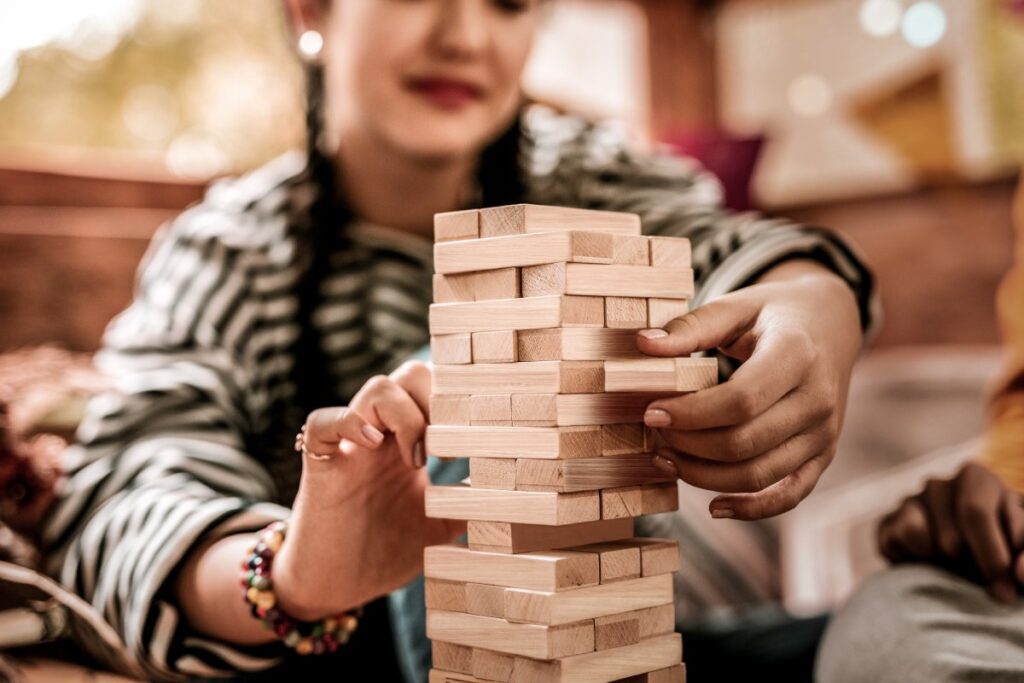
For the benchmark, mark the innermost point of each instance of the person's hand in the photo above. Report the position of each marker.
(971, 524)
(764, 437)
(358, 526)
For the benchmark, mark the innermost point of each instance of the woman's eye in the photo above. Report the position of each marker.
(512, 5)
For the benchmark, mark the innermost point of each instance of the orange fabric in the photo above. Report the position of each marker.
(1004, 442)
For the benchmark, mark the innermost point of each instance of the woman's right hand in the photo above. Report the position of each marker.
(971, 524)
(358, 526)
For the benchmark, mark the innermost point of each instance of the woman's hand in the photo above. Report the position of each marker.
(971, 524)
(358, 527)
(764, 437)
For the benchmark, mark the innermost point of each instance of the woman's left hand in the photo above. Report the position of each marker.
(764, 437)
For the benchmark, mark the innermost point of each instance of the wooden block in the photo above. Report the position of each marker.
(658, 498)
(440, 676)
(619, 560)
(656, 620)
(458, 501)
(526, 218)
(616, 630)
(518, 251)
(654, 374)
(449, 410)
(538, 377)
(486, 285)
(485, 600)
(456, 225)
(493, 473)
(446, 595)
(490, 408)
(504, 537)
(534, 313)
(600, 280)
(621, 502)
(627, 313)
(452, 657)
(549, 571)
(603, 666)
(492, 666)
(528, 640)
(661, 311)
(671, 252)
(513, 442)
(623, 439)
(567, 410)
(631, 250)
(549, 607)
(577, 343)
(658, 556)
(450, 349)
(673, 674)
(587, 474)
(498, 346)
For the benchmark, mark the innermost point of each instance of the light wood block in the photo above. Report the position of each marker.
(452, 657)
(456, 225)
(600, 280)
(440, 676)
(492, 666)
(493, 473)
(485, 600)
(550, 571)
(671, 252)
(602, 666)
(504, 537)
(624, 439)
(616, 630)
(654, 374)
(547, 376)
(490, 408)
(535, 313)
(498, 346)
(631, 250)
(551, 608)
(517, 251)
(658, 556)
(528, 640)
(673, 674)
(658, 498)
(451, 349)
(627, 313)
(513, 442)
(446, 595)
(458, 501)
(567, 410)
(619, 560)
(502, 283)
(656, 620)
(634, 501)
(661, 311)
(577, 343)
(587, 474)
(527, 218)
(449, 410)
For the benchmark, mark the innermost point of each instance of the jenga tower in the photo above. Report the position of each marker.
(537, 380)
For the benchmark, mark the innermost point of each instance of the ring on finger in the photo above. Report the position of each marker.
(301, 447)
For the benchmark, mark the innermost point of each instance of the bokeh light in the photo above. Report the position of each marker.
(924, 24)
(880, 18)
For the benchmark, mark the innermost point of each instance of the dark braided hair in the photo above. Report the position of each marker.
(500, 182)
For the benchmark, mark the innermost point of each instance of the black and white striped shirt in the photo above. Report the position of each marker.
(195, 442)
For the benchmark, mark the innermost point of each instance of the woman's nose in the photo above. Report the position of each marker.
(462, 28)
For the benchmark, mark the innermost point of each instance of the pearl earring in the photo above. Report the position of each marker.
(310, 44)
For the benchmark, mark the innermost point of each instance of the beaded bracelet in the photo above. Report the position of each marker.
(305, 637)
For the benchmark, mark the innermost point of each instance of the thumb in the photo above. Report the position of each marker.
(718, 324)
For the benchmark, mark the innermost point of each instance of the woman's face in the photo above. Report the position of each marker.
(432, 79)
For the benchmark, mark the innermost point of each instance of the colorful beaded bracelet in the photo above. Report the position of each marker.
(305, 637)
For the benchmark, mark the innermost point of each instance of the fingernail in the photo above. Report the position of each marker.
(656, 417)
(419, 458)
(1004, 592)
(653, 334)
(373, 434)
(722, 513)
(664, 464)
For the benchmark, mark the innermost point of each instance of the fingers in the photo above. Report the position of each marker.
(979, 514)
(780, 364)
(937, 499)
(326, 427)
(717, 324)
(414, 376)
(394, 410)
(777, 498)
(904, 535)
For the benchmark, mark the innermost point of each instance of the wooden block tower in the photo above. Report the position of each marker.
(537, 380)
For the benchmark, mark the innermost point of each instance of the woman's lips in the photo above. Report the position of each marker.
(446, 93)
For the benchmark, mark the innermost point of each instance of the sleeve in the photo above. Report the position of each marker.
(160, 463)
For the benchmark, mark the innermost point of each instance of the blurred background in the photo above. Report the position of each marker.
(898, 122)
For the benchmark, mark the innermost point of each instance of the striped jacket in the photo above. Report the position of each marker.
(195, 442)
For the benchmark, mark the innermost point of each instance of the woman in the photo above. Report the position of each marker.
(293, 296)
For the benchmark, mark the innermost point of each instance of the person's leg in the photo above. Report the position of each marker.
(919, 623)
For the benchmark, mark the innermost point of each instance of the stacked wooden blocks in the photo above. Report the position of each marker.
(538, 381)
